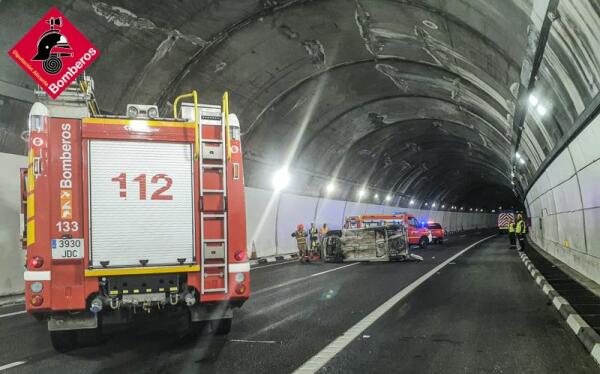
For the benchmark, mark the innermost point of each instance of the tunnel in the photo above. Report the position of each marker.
(460, 112)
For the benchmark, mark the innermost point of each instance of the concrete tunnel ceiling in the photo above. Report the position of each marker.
(412, 97)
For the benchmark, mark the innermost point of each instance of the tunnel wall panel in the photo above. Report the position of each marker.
(12, 257)
(261, 209)
(564, 202)
(330, 212)
(293, 210)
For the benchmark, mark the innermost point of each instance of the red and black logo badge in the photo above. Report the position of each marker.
(54, 52)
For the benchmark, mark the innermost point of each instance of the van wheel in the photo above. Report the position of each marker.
(423, 242)
(63, 341)
(222, 326)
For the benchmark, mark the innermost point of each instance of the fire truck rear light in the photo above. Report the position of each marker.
(37, 300)
(240, 277)
(36, 287)
(240, 289)
(36, 262)
(240, 255)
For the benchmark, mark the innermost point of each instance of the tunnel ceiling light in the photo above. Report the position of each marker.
(433, 205)
(462, 208)
(362, 193)
(541, 110)
(426, 204)
(521, 161)
(388, 197)
(517, 155)
(412, 202)
(533, 100)
(471, 209)
(376, 196)
(281, 179)
(512, 174)
(443, 206)
(330, 187)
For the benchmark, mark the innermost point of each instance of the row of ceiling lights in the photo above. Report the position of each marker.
(282, 178)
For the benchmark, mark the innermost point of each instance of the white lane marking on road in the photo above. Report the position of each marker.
(253, 341)
(293, 281)
(268, 266)
(13, 313)
(12, 365)
(320, 359)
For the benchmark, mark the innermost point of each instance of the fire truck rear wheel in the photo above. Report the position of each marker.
(222, 326)
(63, 341)
(423, 242)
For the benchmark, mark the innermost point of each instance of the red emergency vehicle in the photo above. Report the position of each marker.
(418, 234)
(130, 215)
(437, 232)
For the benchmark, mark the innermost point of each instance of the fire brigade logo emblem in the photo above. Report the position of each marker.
(50, 47)
(54, 53)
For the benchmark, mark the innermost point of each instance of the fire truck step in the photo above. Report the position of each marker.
(212, 166)
(215, 290)
(214, 215)
(213, 240)
(212, 141)
(214, 265)
(213, 191)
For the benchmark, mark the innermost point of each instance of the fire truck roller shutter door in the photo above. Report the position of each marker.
(141, 203)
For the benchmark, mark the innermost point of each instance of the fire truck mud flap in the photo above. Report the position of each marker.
(73, 321)
(199, 313)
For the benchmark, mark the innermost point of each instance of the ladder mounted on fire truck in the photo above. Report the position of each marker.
(211, 152)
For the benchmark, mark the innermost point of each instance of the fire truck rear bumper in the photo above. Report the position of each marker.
(73, 321)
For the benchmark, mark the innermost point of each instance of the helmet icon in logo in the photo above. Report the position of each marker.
(52, 47)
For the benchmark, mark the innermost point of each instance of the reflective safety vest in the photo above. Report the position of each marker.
(511, 227)
(300, 237)
(521, 227)
(314, 232)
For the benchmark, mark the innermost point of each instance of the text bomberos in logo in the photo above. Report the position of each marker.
(54, 52)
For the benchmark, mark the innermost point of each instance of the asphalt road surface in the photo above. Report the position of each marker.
(481, 313)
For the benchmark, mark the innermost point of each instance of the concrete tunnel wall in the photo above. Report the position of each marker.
(564, 204)
(269, 222)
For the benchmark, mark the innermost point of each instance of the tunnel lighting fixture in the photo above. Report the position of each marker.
(281, 179)
(493, 210)
(462, 208)
(443, 206)
(376, 196)
(330, 187)
(362, 193)
(512, 174)
(541, 110)
(388, 198)
(412, 202)
(426, 204)
(471, 209)
(521, 161)
(533, 100)
(433, 205)
(517, 155)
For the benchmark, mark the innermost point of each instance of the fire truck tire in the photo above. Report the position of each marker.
(63, 341)
(222, 326)
(423, 242)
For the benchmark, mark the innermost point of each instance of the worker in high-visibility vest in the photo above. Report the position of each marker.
(300, 236)
(511, 235)
(520, 231)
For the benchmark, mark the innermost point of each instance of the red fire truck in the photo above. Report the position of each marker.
(133, 215)
(418, 233)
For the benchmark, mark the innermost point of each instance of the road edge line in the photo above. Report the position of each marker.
(586, 335)
(319, 360)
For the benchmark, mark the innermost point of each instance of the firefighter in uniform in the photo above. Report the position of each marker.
(313, 233)
(520, 231)
(300, 236)
(511, 234)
